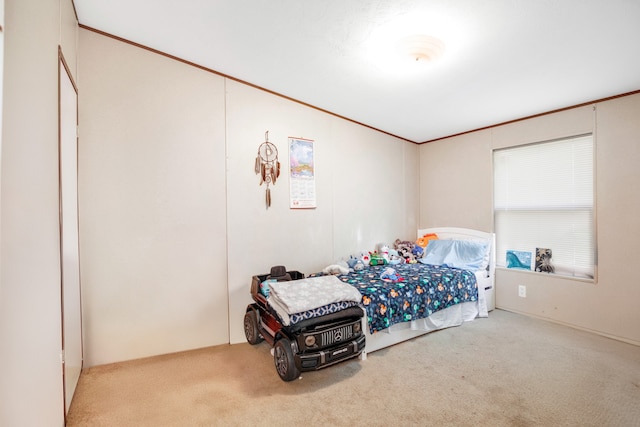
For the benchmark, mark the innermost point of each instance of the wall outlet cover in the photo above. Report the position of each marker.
(522, 291)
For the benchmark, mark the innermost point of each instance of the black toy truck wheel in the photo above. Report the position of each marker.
(284, 361)
(251, 331)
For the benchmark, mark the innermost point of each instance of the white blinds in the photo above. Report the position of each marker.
(543, 198)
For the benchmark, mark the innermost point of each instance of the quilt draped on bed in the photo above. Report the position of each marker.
(424, 290)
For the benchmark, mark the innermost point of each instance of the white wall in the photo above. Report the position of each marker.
(455, 176)
(364, 184)
(31, 392)
(173, 219)
(462, 168)
(152, 203)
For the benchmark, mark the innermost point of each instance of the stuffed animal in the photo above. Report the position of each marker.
(342, 263)
(359, 265)
(377, 259)
(351, 262)
(365, 257)
(394, 257)
(335, 269)
(383, 250)
(417, 251)
(405, 250)
(424, 240)
(356, 263)
(390, 275)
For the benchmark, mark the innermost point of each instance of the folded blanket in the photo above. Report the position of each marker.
(297, 296)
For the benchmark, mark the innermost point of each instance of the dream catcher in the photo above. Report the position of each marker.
(267, 165)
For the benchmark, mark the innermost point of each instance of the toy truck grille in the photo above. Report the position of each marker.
(330, 335)
(336, 335)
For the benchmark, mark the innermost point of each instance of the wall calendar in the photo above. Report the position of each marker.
(302, 182)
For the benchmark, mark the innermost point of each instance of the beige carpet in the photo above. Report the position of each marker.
(507, 370)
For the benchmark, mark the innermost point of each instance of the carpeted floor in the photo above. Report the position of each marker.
(507, 370)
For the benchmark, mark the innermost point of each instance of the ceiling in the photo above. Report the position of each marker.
(503, 59)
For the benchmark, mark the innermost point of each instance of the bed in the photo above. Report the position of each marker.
(451, 296)
(452, 283)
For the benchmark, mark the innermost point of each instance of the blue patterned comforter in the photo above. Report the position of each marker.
(424, 290)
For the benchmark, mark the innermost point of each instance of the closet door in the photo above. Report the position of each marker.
(70, 263)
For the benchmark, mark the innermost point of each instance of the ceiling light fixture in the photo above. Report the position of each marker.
(433, 38)
(420, 48)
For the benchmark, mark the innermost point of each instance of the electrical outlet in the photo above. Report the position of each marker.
(522, 291)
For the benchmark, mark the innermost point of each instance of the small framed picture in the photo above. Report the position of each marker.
(519, 259)
(543, 261)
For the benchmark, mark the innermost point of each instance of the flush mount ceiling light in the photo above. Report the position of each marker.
(420, 48)
(395, 46)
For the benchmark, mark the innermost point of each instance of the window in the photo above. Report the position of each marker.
(544, 198)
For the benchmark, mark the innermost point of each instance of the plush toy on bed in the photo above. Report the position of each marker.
(365, 257)
(383, 250)
(359, 265)
(351, 262)
(355, 262)
(377, 259)
(335, 269)
(417, 251)
(405, 250)
(424, 240)
(390, 275)
(394, 257)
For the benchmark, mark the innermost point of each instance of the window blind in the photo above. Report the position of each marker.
(544, 198)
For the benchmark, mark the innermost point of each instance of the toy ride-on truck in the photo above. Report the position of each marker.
(309, 344)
